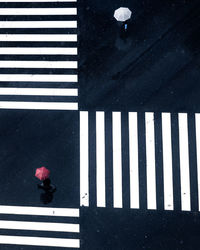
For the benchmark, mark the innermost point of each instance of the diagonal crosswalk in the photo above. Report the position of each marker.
(31, 215)
(140, 160)
(38, 51)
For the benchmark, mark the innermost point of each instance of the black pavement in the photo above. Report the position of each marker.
(155, 68)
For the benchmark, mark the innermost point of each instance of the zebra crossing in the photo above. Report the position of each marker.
(140, 160)
(36, 220)
(38, 55)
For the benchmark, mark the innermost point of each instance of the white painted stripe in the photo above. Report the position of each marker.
(100, 159)
(37, 51)
(38, 11)
(40, 226)
(38, 38)
(150, 158)
(43, 211)
(167, 162)
(38, 24)
(37, 78)
(39, 64)
(39, 91)
(33, 1)
(39, 241)
(184, 162)
(84, 161)
(117, 160)
(39, 105)
(197, 123)
(133, 160)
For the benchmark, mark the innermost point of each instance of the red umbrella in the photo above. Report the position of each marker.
(42, 173)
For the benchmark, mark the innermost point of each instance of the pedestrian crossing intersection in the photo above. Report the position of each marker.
(38, 55)
(140, 160)
(36, 226)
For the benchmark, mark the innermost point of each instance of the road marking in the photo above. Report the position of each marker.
(167, 162)
(39, 64)
(117, 160)
(37, 51)
(38, 24)
(33, 1)
(150, 161)
(39, 105)
(40, 226)
(39, 241)
(38, 11)
(197, 123)
(43, 211)
(184, 162)
(38, 38)
(100, 159)
(84, 154)
(39, 91)
(37, 78)
(133, 160)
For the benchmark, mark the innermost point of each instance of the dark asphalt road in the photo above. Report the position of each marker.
(156, 68)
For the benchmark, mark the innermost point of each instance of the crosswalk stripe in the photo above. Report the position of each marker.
(133, 160)
(184, 162)
(167, 161)
(37, 51)
(37, 78)
(38, 24)
(38, 11)
(39, 241)
(39, 64)
(84, 161)
(117, 160)
(197, 124)
(150, 164)
(32, 1)
(39, 226)
(38, 38)
(39, 91)
(43, 211)
(39, 105)
(172, 146)
(100, 159)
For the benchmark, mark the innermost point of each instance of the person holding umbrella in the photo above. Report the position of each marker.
(43, 175)
(122, 15)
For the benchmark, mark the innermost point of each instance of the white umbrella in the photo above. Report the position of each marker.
(122, 14)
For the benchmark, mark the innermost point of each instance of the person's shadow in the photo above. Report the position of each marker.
(46, 197)
(48, 189)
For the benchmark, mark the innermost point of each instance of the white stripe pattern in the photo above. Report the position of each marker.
(37, 51)
(35, 72)
(38, 24)
(84, 159)
(40, 64)
(167, 162)
(26, 1)
(117, 160)
(184, 162)
(100, 159)
(197, 123)
(38, 38)
(150, 165)
(38, 11)
(17, 225)
(133, 147)
(133, 161)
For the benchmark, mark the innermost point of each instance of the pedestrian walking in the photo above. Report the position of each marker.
(122, 15)
(43, 174)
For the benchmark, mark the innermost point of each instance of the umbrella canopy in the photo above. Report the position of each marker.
(42, 173)
(122, 14)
